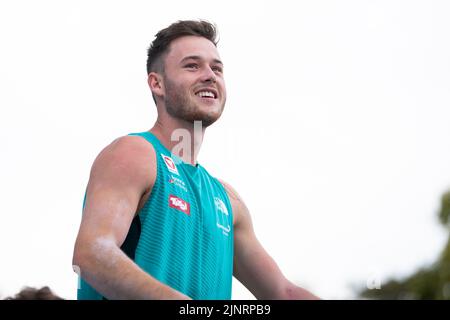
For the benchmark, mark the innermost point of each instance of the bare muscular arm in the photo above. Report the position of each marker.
(253, 266)
(122, 173)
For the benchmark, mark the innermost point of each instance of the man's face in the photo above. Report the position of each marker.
(193, 80)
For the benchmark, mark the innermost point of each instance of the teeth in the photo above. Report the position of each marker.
(206, 94)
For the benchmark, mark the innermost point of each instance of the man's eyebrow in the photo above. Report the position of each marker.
(199, 58)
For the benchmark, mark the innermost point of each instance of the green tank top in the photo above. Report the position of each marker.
(183, 236)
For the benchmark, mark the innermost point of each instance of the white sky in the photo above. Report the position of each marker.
(336, 129)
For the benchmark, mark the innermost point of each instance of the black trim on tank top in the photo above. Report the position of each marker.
(131, 241)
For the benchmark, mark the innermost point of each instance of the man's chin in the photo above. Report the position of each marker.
(208, 116)
(206, 121)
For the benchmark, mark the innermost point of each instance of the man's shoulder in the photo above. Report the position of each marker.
(237, 203)
(129, 148)
(130, 143)
(127, 154)
(232, 193)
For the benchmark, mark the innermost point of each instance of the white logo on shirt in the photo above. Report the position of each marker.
(222, 216)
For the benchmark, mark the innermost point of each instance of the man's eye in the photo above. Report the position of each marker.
(192, 66)
(218, 69)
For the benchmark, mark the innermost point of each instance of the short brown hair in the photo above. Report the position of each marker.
(29, 293)
(159, 47)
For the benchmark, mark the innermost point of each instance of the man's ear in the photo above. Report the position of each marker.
(155, 83)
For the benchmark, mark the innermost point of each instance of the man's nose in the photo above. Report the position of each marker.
(209, 75)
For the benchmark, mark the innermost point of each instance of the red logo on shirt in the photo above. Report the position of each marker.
(180, 204)
(170, 164)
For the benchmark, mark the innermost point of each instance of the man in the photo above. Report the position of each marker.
(157, 225)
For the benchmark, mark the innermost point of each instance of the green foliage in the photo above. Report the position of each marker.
(444, 214)
(427, 283)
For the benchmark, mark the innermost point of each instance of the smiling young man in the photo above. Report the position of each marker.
(156, 224)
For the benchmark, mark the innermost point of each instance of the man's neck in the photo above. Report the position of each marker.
(182, 138)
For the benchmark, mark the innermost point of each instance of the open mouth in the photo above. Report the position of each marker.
(207, 94)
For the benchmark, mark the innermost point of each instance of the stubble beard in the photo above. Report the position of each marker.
(180, 106)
